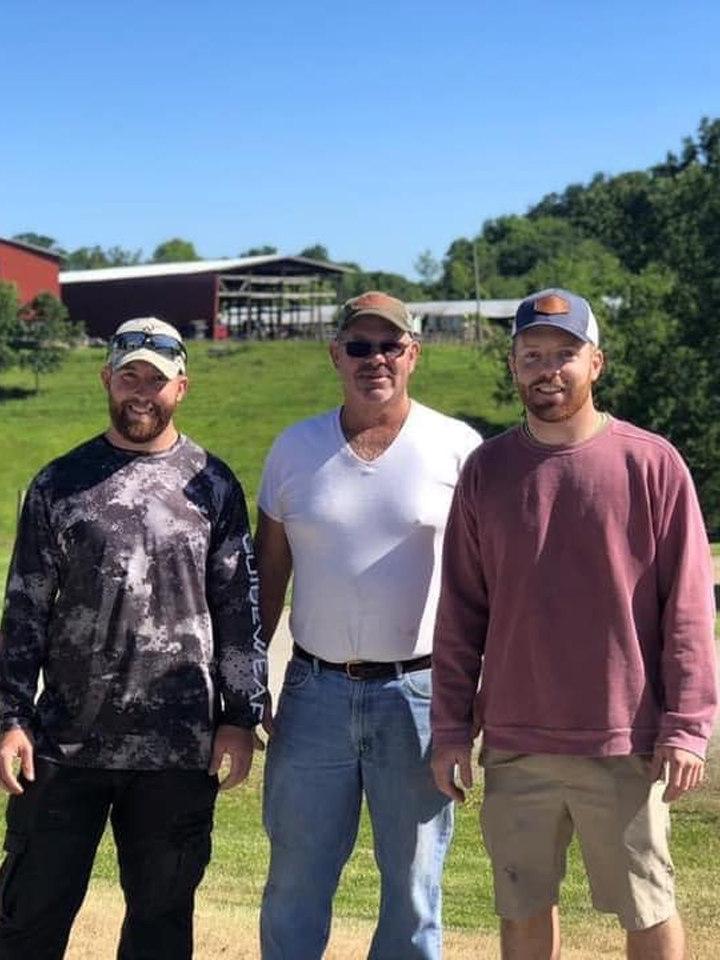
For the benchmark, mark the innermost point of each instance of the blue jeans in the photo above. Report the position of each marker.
(334, 740)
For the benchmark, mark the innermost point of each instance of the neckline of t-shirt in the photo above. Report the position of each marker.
(555, 449)
(347, 446)
(145, 454)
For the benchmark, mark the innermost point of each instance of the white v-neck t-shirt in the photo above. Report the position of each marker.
(366, 536)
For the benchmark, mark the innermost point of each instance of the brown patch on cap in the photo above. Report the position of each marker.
(376, 303)
(372, 301)
(551, 305)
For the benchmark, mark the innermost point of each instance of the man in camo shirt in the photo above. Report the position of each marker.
(133, 591)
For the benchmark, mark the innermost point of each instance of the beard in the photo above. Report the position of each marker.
(549, 409)
(139, 429)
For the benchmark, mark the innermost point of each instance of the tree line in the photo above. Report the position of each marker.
(643, 246)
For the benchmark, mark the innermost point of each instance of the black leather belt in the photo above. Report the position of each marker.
(366, 669)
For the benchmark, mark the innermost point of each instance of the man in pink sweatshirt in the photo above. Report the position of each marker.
(575, 629)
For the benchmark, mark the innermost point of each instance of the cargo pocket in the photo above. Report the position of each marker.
(14, 847)
(161, 875)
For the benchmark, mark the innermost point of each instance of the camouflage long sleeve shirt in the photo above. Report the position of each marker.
(133, 591)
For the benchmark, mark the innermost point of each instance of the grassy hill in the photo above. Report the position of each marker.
(240, 398)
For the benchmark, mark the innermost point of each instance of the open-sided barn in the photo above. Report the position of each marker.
(205, 298)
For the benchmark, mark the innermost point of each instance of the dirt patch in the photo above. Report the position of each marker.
(231, 933)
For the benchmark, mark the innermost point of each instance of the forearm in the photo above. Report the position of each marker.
(689, 694)
(690, 698)
(460, 629)
(688, 671)
(455, 676)
(30, 594)
(274, 564)
(241, 649)
(18, 687)
(16, 711)
(272, 602)
(23, 644)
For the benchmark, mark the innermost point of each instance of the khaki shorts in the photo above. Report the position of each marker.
(534, 802)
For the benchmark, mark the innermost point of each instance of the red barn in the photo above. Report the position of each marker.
(273, 295)
(33, 270)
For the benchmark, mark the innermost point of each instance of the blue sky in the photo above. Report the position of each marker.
(379, 129)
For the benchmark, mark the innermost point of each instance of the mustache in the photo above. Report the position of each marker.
(552, 380)
(149, 408)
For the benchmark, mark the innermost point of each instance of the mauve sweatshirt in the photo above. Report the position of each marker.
(577, 595)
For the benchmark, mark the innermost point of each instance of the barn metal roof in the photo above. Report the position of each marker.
(492, 309)
(193, 267)
(32, 248)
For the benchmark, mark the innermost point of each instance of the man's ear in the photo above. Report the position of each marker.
(183, 386)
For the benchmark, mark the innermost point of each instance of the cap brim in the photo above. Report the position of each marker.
(168, 367)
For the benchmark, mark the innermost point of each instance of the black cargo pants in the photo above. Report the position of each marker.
(161, 821)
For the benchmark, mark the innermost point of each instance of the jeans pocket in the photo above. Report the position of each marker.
(419, 683)
(297, 674)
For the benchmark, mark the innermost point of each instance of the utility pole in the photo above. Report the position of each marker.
(476, 269)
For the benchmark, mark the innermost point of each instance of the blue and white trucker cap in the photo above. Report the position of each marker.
(557, 308)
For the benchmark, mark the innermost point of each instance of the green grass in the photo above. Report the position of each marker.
(237, 872)
(239, 401)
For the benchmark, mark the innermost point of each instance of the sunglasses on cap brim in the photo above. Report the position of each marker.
(160, 343)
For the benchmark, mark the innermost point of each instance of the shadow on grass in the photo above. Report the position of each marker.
(16, 393)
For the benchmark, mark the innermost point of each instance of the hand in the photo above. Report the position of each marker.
(681, 770)
(444, 761)
(238, 744)
(16, 744)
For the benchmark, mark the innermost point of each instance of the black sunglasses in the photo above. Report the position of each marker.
(157, 342)
(366, 348)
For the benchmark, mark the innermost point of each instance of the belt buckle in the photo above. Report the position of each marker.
(348, 669)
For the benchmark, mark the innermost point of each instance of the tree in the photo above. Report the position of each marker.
(265, 251)
(174, 251)
(354, 284)
(45, 336)
(427, 268)
(40, 240)
(518, 243)
(458, 278)
(10, 327)
(119, 257)
(86, 258)
(95, 258)
(316, 252)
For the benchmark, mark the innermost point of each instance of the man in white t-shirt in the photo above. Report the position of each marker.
(354, 503)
